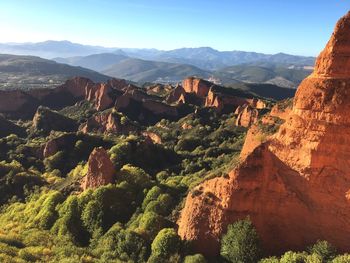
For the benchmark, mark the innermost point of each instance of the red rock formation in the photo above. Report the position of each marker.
(152, 137)
(295, 187)
(198, 86)
(186, 126)
(107, 122)
(57, 144)
(100, 170)
(247, 115)
(254, 138)
(282, 109)
(220, 99)
(119, 84)
(159, 108)
(176, 95)
(258, 104)
(13, 100)
(76, 86)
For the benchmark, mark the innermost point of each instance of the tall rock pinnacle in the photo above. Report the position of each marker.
(295, 187)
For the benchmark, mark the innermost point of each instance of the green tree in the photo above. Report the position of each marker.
(166, 243)
(342, 259)
(241, 243)
(294, 257)
(324, 249)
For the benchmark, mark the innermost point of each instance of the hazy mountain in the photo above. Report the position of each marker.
(210, 59)
(32, 72)
(98, 62)
(152, 71)
(51, 49)
(203, 57)
(279, 74)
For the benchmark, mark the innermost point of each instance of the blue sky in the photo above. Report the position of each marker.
(270, 26)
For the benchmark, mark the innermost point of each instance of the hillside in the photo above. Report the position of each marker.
(270, 91)
(139, 70)
(279, 74)
(97, 62)
(24, 72)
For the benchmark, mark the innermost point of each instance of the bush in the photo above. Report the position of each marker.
(342, 259)
(135, 176)
(198, 258)
(241, 243)
(152, 223)
(269, 260)
(324, 249)
(166, 243)
(122, 244)
(293, 257)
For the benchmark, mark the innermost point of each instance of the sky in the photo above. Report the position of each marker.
(300, 27)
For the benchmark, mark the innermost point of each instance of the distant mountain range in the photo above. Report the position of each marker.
(26, 72)
(152, 65)
(204, 57)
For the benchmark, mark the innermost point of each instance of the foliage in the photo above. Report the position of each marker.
(324, 249)
(241, 243)
(166, 243)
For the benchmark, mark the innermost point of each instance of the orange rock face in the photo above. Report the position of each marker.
(106, 123)
(152, 137)
(247, 115)
(100, 170)
(198, 86)
(294, 187)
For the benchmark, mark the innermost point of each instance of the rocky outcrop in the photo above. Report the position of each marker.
(46, 120)
(152, 137)
(246, 116)
(197, 86)
(57, 144)
(23, 104)
(100, 170)
(100, 95)
(177, 95)
(7, 127)
(295, 186)
(108, 122)
(227, 100)
(282, 109)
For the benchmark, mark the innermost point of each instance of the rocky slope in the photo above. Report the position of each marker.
(294, 186)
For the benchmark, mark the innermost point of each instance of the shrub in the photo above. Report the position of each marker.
(269, 260)
(198, 258)
(324, 249)
(122, 244)
(152, 223)
(241, 243)
(48, 214)
(342, 259)
(135, 176)
(293, 257)
(152, 195)
(166, 243)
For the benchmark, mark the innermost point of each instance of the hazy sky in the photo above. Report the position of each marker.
(269, 26)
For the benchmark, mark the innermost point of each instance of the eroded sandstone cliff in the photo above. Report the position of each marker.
(100, 170)
(295, 186)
